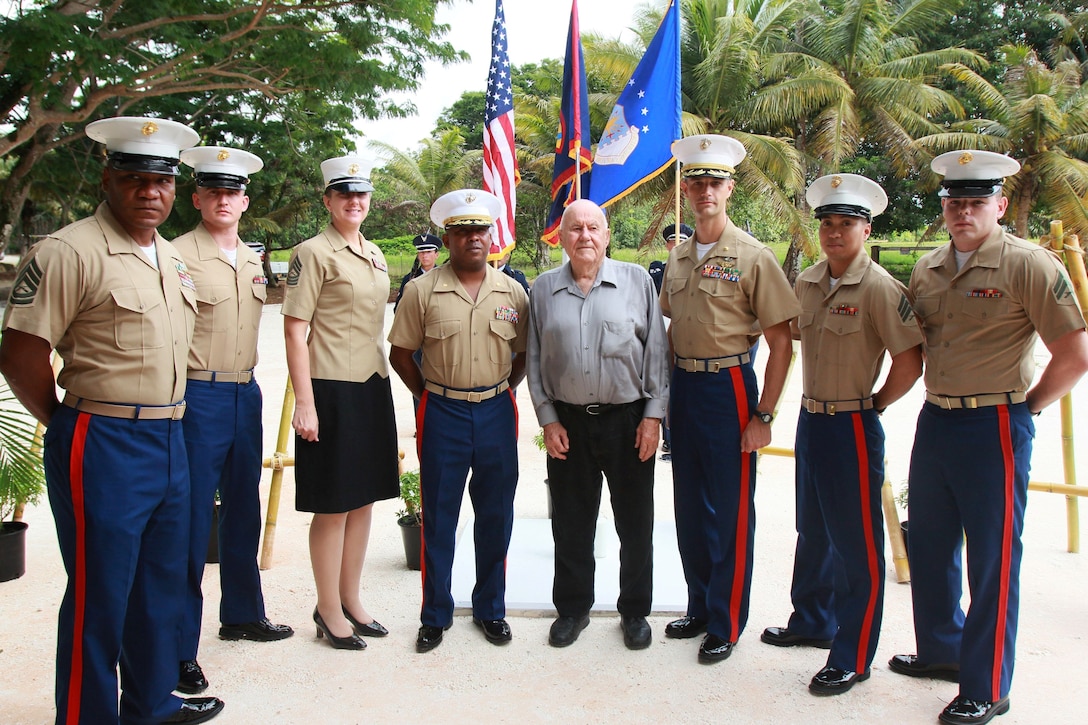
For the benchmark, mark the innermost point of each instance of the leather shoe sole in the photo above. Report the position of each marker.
(260, 631)
(963, 711)
(715, 649)
(196, 710)
(497, 631)
(565, 630)
(636, 632)
(782, 637)
(835, 681)
(910, 666)
(685, 628)
(430, 637)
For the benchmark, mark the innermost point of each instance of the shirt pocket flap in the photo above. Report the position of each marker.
(441, 329)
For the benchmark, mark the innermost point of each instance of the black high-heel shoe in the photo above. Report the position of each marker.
(373, 629)
(352, 641)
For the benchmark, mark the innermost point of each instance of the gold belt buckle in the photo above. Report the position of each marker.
(713, 366)
(829, 408)
(970, 403)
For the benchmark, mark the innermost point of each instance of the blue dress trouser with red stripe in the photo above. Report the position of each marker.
(969, 475)
(838, 568)
(714, 488)
(223, 438)
(454, 437)
(119, 491)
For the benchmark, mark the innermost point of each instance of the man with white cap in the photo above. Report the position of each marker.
(672, 234)
(983, 300)
(470, 320)
(852, 312)
(118, 304)
(718, 284)
(223, 434)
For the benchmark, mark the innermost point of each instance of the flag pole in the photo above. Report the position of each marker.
(676, 192)
(577, 169)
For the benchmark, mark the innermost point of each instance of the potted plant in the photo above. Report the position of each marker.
(538, 441)
(410, 519)
(22, 480)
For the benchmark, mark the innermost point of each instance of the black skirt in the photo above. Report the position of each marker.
(355, 461)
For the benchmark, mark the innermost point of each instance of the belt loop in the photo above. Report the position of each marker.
(713, 366)
(971, 403)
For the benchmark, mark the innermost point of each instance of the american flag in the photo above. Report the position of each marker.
(500, 163)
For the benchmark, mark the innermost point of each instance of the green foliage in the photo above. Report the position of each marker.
(466, 116)
(22, 477)
(411, 496)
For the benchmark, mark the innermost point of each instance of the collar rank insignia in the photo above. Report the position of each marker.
(506, 314)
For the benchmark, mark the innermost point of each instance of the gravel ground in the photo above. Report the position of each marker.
(466, 679)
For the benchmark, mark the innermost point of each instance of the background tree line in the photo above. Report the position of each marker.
(876, 87)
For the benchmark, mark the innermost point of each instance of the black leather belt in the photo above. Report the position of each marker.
(594, 408)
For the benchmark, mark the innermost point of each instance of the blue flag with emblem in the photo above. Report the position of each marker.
(637, 142)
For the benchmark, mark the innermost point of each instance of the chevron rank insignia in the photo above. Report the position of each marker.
(906, 312)
(294, 272)
(25, 287)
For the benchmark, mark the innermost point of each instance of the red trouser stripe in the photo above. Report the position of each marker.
(1006, 547)
(79, 575)
(423, 398)
(870, 546)
(740, 563)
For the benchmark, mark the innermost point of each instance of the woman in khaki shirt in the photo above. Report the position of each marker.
(346, 442)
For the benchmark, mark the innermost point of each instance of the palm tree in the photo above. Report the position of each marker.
(1039, 116)
(441, 165)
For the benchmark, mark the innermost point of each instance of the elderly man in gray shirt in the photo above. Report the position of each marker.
(598, 376)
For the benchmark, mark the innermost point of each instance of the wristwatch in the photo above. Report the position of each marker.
(764, 417)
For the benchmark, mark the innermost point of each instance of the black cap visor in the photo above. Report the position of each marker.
(844, 210)
(350, 186)
(212, 180)
(147, 164)
(971, 187)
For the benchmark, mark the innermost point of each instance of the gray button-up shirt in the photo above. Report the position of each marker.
(608, 347)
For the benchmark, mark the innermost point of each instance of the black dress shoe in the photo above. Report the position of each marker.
(782, 637)
(196, 709)
(910, 666)
(833, 681)
(191, 678)
(369, 629)
(636, 632)
(430, 637)
(497, 631)
(964, 711)
(566, 629)
(715, 649)
(260, 631)
(685, 628)
(352, 641)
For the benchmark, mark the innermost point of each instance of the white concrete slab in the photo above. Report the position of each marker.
(529, 568)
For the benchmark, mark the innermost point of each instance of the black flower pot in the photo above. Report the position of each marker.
(212, 556)
(12, 550)
(904, 527)
(411, 532)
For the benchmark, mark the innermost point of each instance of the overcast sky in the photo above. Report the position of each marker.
(536, 30)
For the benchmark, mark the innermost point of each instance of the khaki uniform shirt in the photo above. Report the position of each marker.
(465, 344)
(121, 326)
(714, 302)
(229, 303)
(845, 331)
(980, 323)
(342, 295)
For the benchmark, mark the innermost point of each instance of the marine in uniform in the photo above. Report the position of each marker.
(984, 299)
(118, 304)
(852, 312)
(346, 436)
(515, 274)
(672, 234)
(223, 416)
(471, 322)
(718, 284)
(598, 376)
(427, 246)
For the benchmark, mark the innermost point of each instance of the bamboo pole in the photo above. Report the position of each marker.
(277, 462)
(1069, 249)
(895, 532)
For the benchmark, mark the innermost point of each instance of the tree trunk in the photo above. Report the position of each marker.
(792, 264)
